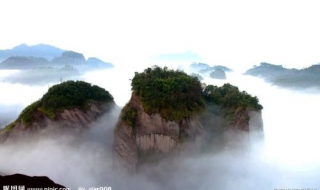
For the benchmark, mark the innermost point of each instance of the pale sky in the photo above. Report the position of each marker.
(237, 33)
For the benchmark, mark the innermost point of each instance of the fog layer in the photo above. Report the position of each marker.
(290, 157)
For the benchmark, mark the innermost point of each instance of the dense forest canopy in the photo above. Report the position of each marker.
(229, 96)
(172, 93)
(67, 95)
(233, 104)
(176, 95)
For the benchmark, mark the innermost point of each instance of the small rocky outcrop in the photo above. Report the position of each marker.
(205, 68)
(28, 181)
(70, 58)
(218, 74)
(96, 63)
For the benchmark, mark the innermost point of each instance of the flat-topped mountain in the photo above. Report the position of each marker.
(169, 109)
(218, 74)
(69, 58)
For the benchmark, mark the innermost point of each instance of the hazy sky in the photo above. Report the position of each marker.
(222, 32)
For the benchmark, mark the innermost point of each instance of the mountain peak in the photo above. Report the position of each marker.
(41, 50)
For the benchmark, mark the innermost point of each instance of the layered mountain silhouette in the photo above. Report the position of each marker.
(201, 69)
(25, 57)
(284, 77)
(42, 64)
(42, 50)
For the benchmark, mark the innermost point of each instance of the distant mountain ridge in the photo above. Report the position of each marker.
(41, 50)
(24, 62)
(24, 57)
(216, 72)
(203, 67)
(293, 78)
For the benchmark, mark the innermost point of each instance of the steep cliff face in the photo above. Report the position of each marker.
(168, 110)
(149, 138)
(256, 126)
(70, 120)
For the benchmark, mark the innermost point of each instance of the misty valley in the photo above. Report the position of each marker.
(76, 122)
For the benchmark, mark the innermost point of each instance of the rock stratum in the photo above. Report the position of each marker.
(151, 137)
(162, 119)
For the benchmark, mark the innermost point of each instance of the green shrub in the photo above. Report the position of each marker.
(10, 127)
(231, 100)
(27, 114)
(73, 94)
(129, 115)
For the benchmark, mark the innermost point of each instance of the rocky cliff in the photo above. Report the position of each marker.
(149, 137)
(168, 110)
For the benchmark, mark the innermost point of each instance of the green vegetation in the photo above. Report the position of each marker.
(67, 95)
(173, 94)
(129, 115)
(27, 114)
(200, 78)
(176, 95)
(231, 100)
(9, 127)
